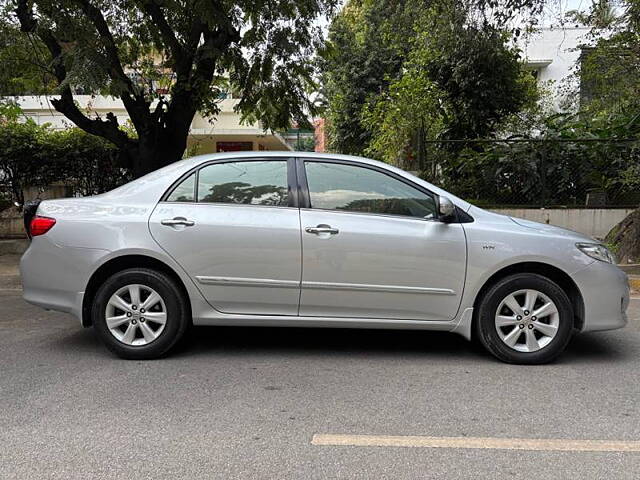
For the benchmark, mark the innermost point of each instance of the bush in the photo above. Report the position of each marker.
(86, 163)
(37, 156)
(22, 158)
(568, 160)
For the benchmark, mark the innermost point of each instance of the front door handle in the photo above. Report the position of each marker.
(322, 228)
(172, 222)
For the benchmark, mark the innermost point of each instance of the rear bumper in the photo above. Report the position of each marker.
(54, 277)
(605, 292)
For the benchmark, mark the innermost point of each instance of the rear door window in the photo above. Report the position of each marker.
(247, 182)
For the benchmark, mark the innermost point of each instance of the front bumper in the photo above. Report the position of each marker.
(605, 292)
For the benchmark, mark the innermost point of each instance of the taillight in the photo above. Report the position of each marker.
(41, 225)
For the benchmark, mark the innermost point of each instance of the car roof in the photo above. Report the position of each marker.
(276, 154)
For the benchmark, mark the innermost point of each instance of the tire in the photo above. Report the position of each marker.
(133, 332)
(507, 332)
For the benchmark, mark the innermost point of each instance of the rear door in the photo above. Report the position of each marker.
(373, 246)
(234, 227)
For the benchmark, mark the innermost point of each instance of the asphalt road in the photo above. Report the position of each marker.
(246, 403)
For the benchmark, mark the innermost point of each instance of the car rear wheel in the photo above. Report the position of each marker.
(525, 318)
(140, 313)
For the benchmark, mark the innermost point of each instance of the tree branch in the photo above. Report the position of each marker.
(134, 102)
(65, 104)
(207, 54)
(168, 36)
(107, 129)
(116, 71)
(182, 55)
(28, 23)
(197, 28)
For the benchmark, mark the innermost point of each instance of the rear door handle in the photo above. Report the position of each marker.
(177, 221)
(322, 228)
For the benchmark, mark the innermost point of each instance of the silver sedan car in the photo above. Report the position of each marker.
(317, 240)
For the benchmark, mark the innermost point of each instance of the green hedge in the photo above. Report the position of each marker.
(36, 156)
(567, 161)
(547, 173)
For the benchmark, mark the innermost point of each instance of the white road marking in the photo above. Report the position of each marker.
(489, 443)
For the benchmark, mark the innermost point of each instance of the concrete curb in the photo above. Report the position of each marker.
(631, 269)
(15, 246)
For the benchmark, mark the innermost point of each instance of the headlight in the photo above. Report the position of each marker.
(597, 251)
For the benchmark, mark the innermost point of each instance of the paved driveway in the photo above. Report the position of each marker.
(246, 403)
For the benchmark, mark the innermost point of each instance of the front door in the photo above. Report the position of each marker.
(372, 247)
(233, 228)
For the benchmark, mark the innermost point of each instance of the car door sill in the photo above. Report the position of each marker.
(330, 322)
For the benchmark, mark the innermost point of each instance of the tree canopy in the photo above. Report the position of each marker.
(398, 72)
(609, 70)
(168, 59)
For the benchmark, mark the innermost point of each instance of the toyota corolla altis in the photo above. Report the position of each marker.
(317, 240)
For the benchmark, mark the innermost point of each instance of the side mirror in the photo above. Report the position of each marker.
(446, 209)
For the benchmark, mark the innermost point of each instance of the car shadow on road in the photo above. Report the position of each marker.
(599, 347)
(603, 347)
(430, 345)
(302, 341)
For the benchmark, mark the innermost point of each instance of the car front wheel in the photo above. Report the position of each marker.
(140, 313)
(525, 318)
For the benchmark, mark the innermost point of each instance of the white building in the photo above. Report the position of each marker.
(224, 133)
(553, 54)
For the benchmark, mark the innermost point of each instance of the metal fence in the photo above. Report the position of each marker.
(522, 172)
(5, 196)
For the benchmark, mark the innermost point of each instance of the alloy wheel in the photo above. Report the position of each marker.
(136, 315)
(527, 320)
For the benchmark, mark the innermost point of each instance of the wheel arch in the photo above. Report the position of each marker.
(551, 272)
(118, 264)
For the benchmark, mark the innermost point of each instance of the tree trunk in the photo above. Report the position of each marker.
(625, 237)
(157, 148)
(148, 157)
